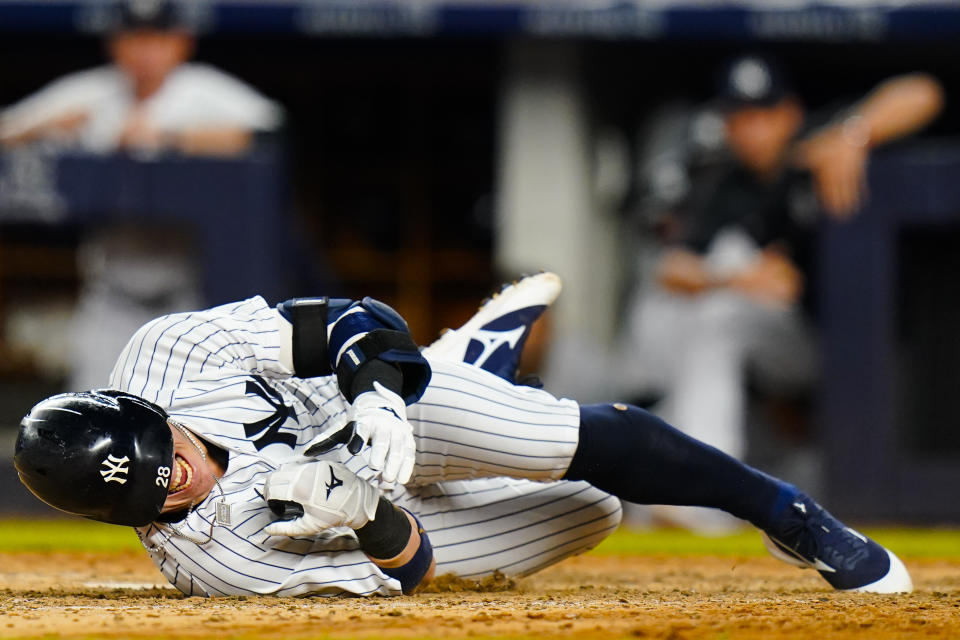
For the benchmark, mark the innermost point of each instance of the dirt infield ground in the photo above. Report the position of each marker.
(84, 594)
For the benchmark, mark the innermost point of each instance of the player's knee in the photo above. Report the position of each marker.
(599, 515)
(613, 518)
(609, 513)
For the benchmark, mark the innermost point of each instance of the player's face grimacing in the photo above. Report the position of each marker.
(191, 477)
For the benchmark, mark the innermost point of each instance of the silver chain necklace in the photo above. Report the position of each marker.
(222, 509)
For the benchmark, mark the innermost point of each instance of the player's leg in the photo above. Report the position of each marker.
(470, 423)
(636, 456)
(513, 526)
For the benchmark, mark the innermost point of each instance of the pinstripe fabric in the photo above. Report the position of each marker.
(218, 372)
(470, 423)
(510, 525)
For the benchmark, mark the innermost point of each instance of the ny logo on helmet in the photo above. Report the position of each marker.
(114, 466)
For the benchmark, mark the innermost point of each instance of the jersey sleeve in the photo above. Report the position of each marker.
(219, 372)
(240, 559)
(219, 99)
(237, 339)
(75, 93)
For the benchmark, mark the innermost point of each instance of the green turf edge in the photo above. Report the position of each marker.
(65, 534)
(84, 535)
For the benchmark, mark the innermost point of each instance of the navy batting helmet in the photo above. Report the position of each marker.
(104, 455)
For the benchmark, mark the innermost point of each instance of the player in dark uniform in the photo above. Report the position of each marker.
(731, 289)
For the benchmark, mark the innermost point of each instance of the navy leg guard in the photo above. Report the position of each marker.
(638, 457)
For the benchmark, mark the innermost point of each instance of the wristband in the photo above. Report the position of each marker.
(412, 573)
(387, 535)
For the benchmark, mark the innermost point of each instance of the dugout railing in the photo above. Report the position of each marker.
(890, 314)
(238, 207)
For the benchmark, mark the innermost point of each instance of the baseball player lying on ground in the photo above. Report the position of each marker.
(312, 448)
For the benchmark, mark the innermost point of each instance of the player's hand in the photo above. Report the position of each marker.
(839, 167)
(381, 421)
(683, 271)
(66, 127)
(141, 134)
(318, 494)
(771, 279)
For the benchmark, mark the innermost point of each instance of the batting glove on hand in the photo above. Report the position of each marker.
(381, 421)
(320, 494)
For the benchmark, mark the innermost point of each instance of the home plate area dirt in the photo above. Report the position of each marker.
(119, 595)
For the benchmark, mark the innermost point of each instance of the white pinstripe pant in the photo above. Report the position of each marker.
(485, 487)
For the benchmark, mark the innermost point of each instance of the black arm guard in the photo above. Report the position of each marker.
(387, 534)
(309, 319)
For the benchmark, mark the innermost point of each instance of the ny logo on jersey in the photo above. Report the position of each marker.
(270, 426)
(114, 467)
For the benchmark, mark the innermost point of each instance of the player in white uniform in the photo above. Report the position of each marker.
(148, 100)
(486, 475)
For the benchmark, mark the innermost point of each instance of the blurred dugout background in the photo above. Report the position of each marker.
(432, 147)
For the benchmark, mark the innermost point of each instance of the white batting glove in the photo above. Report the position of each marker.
(381, 421)
(330, 494)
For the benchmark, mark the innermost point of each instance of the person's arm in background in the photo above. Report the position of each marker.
(771, 278)
(683, 271)
(837, 154)
(219, 140)
(57, 111)
(64, 127)
(225, 141)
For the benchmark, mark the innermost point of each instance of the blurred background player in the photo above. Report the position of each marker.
(730, 296)
(148, 100)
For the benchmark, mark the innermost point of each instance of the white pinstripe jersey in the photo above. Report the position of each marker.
(219, 372)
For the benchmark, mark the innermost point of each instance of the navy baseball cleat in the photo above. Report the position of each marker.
(806, 535)
(493, 338)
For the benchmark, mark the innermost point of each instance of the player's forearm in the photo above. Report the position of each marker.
(226, 141)
(898, 107)
(15, 132)
(395, 542)
(9, 138)
(682, 271)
